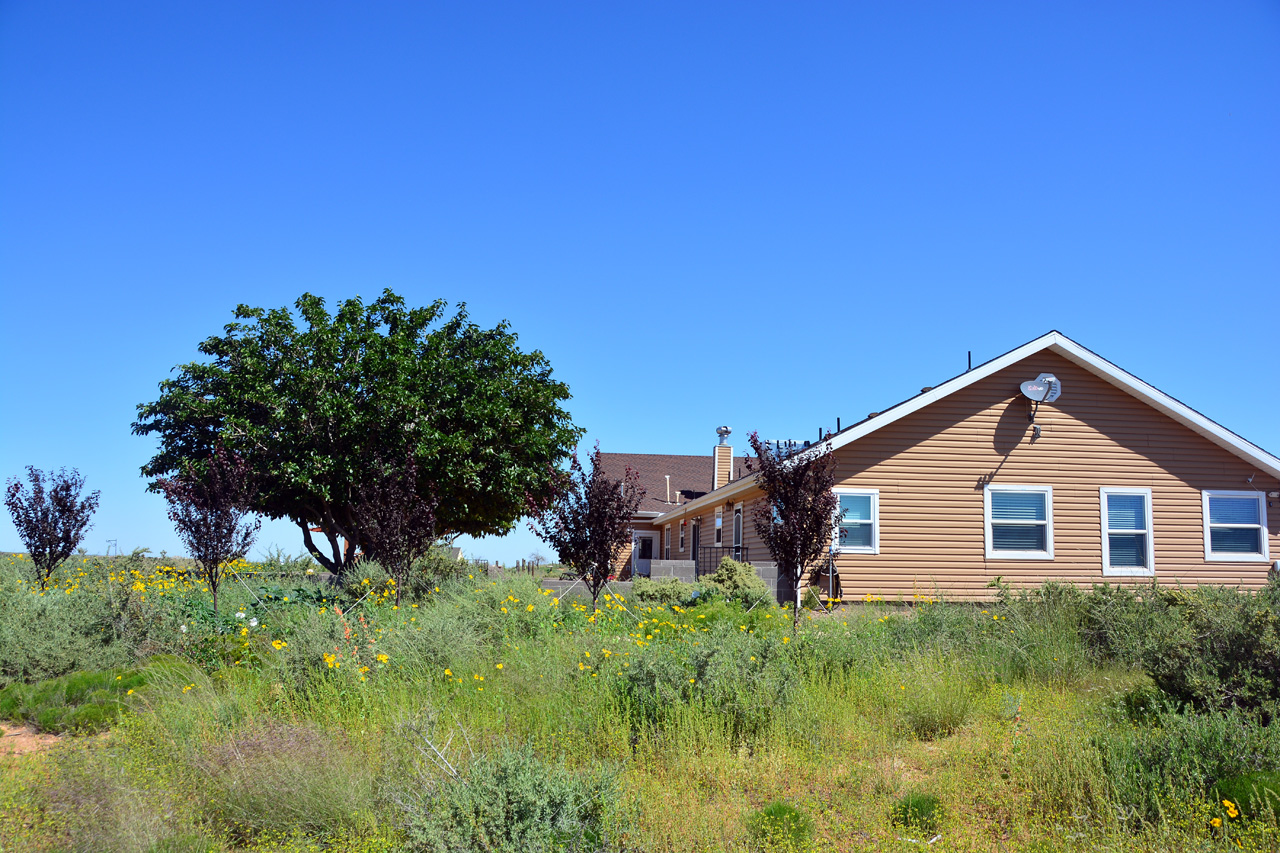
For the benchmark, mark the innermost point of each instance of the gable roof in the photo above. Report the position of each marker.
(1060, 344)
(688, 474)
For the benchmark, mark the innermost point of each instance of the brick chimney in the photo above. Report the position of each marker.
(723, 455)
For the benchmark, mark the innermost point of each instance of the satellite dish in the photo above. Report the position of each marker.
(1044, 388)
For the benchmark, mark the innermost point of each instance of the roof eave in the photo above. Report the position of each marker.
(1068, 349)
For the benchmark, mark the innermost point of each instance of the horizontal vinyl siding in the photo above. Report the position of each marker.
(930, 468)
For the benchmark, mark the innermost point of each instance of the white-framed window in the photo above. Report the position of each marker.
(719, 526)
(1128, 547)
(737, 531)
(857, 528)
(683, 525)
(666, 542)
(1235, 526)
(1018, 521)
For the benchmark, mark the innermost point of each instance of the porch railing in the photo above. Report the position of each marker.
(708, 557)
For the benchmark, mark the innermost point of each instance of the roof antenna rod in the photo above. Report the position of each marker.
(970, 360)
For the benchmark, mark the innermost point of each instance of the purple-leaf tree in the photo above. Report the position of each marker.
(50, 516)
(796, 518)
(589, 523)
(209, 508)
(397, 523)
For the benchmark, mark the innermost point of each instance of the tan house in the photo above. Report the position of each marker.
(1107, 479)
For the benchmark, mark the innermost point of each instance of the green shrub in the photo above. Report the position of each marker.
(510, 801)
(739, 582)
(746, 679)
(918, 811)
(937, 698)
(432, 570)
(1179, 756)
(1217, 647)
(1255, 795)
(781, 826)
(666, 592)
(48, 635)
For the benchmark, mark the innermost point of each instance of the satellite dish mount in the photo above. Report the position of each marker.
(1045, 388)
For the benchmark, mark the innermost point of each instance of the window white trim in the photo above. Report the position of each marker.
(1126, 571)
(719, 537)
(1231, 557)
(666, 542)
(683, 525)
(993, 554)
(836, 547)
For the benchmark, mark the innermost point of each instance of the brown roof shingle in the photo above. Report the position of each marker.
(690, 475)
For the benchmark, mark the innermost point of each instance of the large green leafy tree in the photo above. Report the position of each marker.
(313, 406)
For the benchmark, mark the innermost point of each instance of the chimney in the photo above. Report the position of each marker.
(723, 453)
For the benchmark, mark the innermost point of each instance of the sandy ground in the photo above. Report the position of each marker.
(23, 740)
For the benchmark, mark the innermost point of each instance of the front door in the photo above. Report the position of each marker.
(642, 548)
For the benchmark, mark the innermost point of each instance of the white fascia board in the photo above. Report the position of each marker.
(1157, 399)
(710, 499)
(1068, 349)
(946, 389)
(1095, 364)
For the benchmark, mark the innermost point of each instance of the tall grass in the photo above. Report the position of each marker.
(297, 732)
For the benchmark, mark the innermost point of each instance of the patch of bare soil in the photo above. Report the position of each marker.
(23, 740)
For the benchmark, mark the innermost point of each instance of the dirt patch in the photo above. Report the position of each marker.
(24, 740)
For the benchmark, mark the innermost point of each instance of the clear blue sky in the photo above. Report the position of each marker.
(765, 215)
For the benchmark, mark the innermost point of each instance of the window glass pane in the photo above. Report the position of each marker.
(1233, 510)
(1235, 540)
(1128, 550)
(1018, 537)
(1018, 506)
(855, 507)
(855, 535)
(1127, 512)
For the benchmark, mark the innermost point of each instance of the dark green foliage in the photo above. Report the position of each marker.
(307, 407)
(81, 703)
(746, 678)
(511, 801)
(1217, 647)
(1176, 757)
(1255, 795)
(665, 592)
(739, 582)
(781, 826)
(918, 811)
